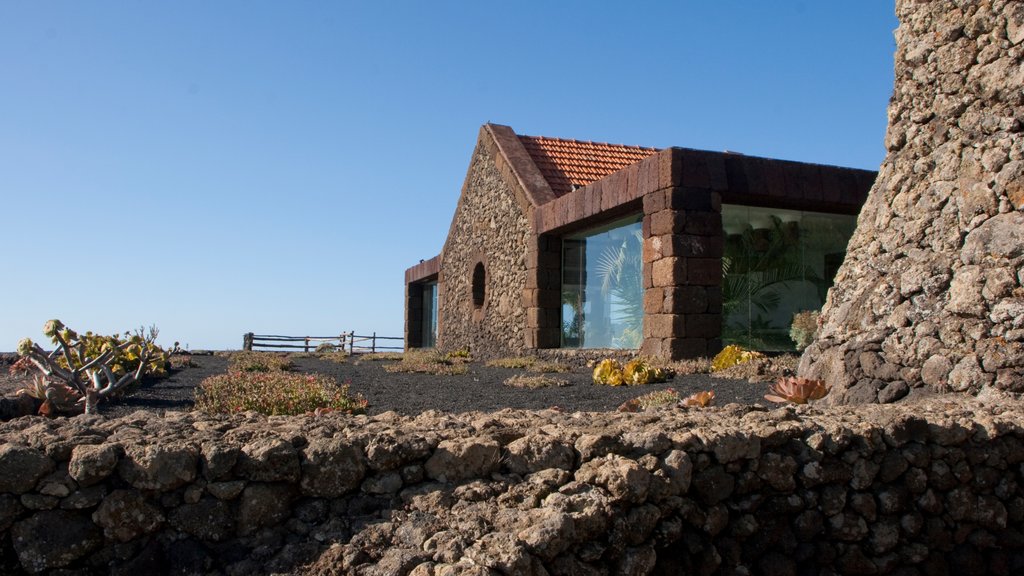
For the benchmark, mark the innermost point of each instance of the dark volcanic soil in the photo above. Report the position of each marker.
(480, 389)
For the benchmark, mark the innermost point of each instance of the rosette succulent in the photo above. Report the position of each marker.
(24, 346)
(797, 390)
(608, 371)
(52, 327)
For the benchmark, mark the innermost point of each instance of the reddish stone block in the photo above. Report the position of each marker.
(667, 222)
(531, 259)
(592, 198)
(665, 325)
(714, 300)
(703, 223)
(808, 184)
(655, 201)
(550, 260)
(692, 246)
(654, 301)
(671, 167)
(549, 338)
(648, 273)
(685, 348)
(532, 278)
(686, 300)
(579, 205)
(714, 346)
(651, 347)
(614, 185)
(704, 271)
(541, 318)
(530, 339)
(690, 198)
(775, 179)
(533, 318)
(703, 325)
(704, 170)
(547, 298)
(669, 271)
(652, 248)
(648, 173)
(529, 298)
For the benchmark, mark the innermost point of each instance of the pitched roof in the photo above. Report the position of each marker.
(567, 164)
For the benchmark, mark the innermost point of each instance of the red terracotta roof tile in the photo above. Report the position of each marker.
(568, 164)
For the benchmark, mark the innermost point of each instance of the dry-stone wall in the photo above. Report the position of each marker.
(932, 289)
(489, 227)
(926, 488)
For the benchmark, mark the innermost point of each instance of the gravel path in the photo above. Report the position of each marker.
(480, 389)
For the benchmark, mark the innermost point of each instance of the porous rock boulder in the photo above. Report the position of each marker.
(931, 292)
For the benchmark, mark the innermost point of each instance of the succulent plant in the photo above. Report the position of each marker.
(609, 372)
(804, 328)
(732, 355)
(701, 399)
(52, 327)
(797, 390)
(636, 372)
(91, 367)
(24, 346)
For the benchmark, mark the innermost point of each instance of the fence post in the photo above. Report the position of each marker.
(306, 349)
(373, 343)
(247, 341)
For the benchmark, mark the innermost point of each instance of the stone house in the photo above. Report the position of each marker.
(561, 243)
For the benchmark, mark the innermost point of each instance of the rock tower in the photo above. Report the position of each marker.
(930, 293)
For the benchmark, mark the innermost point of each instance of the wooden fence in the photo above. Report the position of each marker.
(346, 341)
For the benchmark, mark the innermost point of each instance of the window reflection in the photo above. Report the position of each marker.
(776, 263)
(602, 290)
(428, 336)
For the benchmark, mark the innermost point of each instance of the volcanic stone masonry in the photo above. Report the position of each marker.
(492, 235)
(930, 293)
(913, 488)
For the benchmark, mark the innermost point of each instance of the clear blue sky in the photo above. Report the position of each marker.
(216, 168)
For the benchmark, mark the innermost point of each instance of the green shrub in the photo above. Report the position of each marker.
(381, 356)
(325, 347)
(536, 381)
(515, 362)
(337, 356)
(549, 367)
(429, 362)
(666, 397)
(275, 393)
(249, 361)
(180, 361)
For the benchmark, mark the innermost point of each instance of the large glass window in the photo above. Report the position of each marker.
(428, 337)
(602, 287)
(776, 263)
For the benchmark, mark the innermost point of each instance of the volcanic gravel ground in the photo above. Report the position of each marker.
(480, 389)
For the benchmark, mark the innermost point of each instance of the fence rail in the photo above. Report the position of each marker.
(346, 341)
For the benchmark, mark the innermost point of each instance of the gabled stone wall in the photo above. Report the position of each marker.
(490, 227)
(931, 293)
(927, 488)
